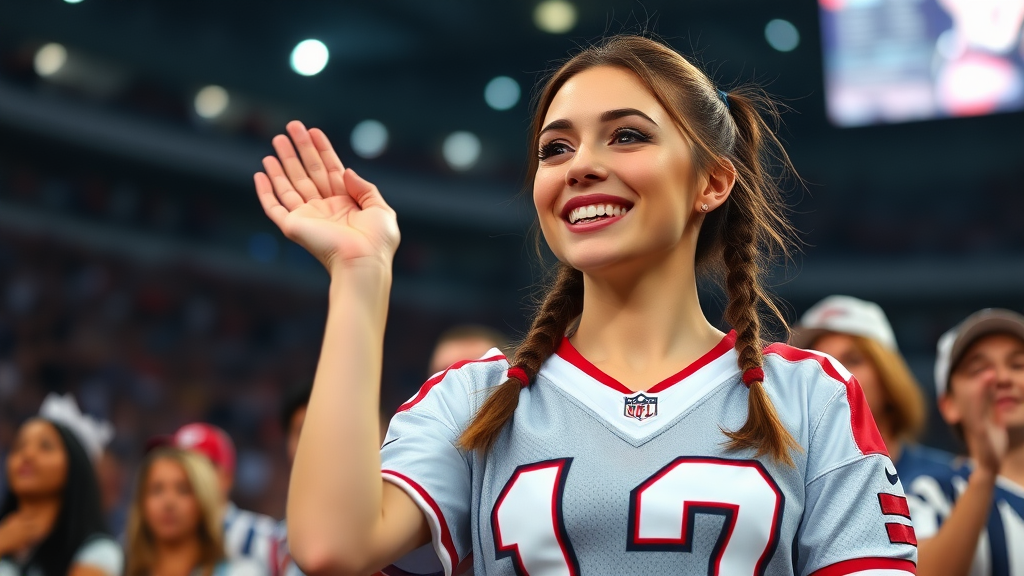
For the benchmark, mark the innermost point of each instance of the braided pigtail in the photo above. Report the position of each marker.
(753, 225)
(562, 303)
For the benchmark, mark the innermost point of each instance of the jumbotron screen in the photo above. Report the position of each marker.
(889, 61)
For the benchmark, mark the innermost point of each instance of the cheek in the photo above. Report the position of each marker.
(55, 468)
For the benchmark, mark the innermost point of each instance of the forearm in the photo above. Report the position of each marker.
(951, 550)
(335, 491)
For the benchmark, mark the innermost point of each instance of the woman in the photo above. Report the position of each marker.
(589, 451)
(175, 523)
(858, 335)
(51, 523)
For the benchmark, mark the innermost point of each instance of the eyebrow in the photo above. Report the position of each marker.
(605, 117)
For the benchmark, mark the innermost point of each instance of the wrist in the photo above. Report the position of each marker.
(983, 475)
(368, 281)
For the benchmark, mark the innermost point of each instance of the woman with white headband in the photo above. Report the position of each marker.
(50, 520)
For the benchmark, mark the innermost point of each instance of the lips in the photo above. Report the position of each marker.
(594, 211)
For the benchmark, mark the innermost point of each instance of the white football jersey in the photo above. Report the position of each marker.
(249, 535)
(591, 478)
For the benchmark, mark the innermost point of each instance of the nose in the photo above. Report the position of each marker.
(1003, 376)
(584, 169)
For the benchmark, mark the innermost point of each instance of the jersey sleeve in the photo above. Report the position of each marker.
(856, 517)
(420, 456)
(102, 553)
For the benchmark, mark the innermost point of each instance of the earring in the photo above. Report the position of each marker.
(703, 207)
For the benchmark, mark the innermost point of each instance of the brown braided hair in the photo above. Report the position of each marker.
(734, 245)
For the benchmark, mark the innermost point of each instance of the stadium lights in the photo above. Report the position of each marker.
(73, 1)
(309, 57)
(369, 139)
(461, 150)
(555, 16)
(782, 35)
(50, 59)
(502, 93)
(211, 102)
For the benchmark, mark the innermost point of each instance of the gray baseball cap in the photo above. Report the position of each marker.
(955, 342)
(843, 315)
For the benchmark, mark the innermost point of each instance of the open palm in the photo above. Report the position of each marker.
(329, 210)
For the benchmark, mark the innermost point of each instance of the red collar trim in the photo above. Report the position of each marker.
(571, 355)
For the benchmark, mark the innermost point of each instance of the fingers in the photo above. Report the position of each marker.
(312, 160)
(282, 185)
(296, 173)
(335, 169)
(363, 192)
(271, 205)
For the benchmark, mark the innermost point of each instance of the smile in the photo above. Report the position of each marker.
(595, 212)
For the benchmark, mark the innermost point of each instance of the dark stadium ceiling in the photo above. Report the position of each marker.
(418, 66)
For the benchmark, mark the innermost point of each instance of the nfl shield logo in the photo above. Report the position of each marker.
(641, 407)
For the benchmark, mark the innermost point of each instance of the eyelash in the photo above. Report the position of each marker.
(548, 150)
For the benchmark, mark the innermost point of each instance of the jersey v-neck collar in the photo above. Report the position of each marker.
(569, 353)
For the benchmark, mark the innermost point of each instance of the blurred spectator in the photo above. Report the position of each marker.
(465, 342)
(859, 336)
(175, 519)
(246, 534)
(293, 414)
(50, 521)
(970, 517)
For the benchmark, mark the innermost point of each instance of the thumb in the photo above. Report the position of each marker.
(363, 192)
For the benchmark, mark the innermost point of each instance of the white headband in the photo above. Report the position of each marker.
(94, 434)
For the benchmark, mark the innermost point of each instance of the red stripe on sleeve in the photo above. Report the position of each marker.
(446, 536)
(862, 564)
(893, 504)
(865, 432)
(437, 379)
(901, 533)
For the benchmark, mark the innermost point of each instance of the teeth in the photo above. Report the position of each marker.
(594, 211)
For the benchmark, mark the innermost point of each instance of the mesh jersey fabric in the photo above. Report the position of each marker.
(1000, 549)
(591, 478)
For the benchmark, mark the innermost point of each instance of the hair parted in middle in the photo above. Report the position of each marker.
(139, 544)
(735, 243)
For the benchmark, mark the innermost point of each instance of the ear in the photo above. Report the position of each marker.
(720, 180)
(950, 410)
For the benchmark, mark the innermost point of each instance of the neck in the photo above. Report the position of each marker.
(1013, 464)
(646, 321)
(892, 445)
(44, 509)
(176, 557)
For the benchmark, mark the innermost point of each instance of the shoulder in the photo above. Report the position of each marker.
(834, 401)
(103, 552)
(259, 523)
(462, 378)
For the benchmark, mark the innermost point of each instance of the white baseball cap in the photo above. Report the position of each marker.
(843, 315)
(955, 342)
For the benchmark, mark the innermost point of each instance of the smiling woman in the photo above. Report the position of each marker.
(624, 411)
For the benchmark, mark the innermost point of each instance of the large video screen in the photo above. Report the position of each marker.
(890, 61)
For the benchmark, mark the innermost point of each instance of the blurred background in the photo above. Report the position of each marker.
(138, 271)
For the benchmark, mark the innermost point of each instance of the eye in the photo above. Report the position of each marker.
(629, 135)
(553, 148)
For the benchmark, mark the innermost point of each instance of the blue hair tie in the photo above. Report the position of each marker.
(724, 97)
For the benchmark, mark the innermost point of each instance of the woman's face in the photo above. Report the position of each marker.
(844, 348)
(616, 182)
(170, 509)
(38, 464)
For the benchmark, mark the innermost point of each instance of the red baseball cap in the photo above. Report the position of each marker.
(209, 441)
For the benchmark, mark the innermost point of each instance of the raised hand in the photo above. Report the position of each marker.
(985, 432)
(329, 210)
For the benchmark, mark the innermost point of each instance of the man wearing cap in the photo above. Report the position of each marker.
(246, 534)
(971, 519)
(858, 334)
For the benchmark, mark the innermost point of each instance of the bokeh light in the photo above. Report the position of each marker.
(782, 35)
(73, 1)
(502, 93)
(369, 139)
(211, 102)
(309, 57)
(50, 59)
(555, 16)
(461, 150)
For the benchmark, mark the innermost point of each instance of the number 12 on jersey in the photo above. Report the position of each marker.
(528, 527)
